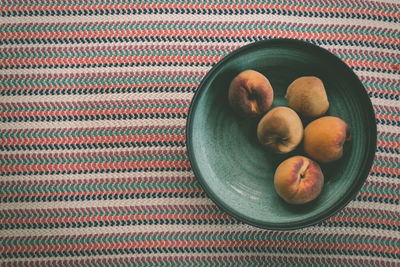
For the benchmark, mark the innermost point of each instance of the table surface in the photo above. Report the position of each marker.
(94, 98)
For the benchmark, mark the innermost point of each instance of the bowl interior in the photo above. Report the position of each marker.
(238, 173)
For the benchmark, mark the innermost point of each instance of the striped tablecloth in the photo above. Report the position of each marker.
(94, 98)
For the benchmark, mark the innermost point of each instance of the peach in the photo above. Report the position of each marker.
(250, 93)
(298, 180)
(325, 137)
(307, 96)
(280, 130)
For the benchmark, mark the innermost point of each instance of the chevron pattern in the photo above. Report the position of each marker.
(94, 97)
(339, 9)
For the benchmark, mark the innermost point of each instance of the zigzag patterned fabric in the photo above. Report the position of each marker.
(94, 97)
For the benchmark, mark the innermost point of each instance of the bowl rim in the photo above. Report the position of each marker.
(351, 192)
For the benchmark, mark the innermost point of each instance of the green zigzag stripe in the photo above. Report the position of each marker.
(387, 163)
(80, 188)
(169, 52)
(102, 107)
(92, 133)
(387, 191)
(387, 112)
(211, 236)
(194, 2)
(318, 29)
(82, 214)
(382, 85)
(92, 159)
(126, 80)
(139, 80)
(389, 137)
(174, 211)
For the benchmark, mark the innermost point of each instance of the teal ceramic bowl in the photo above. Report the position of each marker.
(232, 167)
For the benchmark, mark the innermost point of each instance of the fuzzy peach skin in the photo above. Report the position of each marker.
(298, 180)
(280, 130)
(307, 96)
(325, 137)
(250, 93)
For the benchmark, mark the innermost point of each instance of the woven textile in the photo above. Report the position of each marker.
(94, 97)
